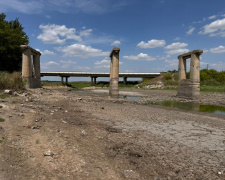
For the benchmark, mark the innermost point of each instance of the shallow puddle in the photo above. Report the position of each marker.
(130, 98)
(220, 110)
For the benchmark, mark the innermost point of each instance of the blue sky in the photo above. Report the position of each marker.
(78, 35)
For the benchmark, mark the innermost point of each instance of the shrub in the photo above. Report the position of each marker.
(168, 76)
(11, 81)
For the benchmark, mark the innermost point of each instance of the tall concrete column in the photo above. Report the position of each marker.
(92, 83)
(26, 67)
(182, 68)
(62, 80)
(36, 63)
(114, 73)
(26, 64)
(195, 68)
(67, 80)
(95, 82)
(125, 80)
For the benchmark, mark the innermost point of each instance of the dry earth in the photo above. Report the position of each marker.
(60, 134)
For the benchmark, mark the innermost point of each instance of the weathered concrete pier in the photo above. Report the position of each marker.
(114, 73)
(31, 66)
(189, 88)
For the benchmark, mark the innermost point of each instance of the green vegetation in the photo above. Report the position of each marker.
(12, 81)
(2, 120)
(11, 37)
(0, 106)
(1, 141)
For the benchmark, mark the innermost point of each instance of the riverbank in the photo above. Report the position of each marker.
(61, 134)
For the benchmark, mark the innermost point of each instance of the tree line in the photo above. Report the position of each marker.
(12, 36)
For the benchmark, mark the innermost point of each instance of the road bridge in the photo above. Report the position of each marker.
(95, 75)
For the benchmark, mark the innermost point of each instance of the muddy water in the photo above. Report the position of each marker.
(189, 106)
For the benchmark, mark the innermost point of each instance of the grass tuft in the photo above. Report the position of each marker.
(12, 81)
(2, 120)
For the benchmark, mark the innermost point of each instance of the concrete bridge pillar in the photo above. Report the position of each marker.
(67, 80)
(92, 82)
(114, 73)
(125, 80)
(95, 82)
(62, 80)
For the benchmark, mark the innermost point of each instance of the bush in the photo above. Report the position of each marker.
(168, 76)
(11, 81)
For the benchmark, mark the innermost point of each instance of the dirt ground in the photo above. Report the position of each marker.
(59, 134)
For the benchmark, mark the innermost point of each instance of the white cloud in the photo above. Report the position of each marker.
(86, 32)
(219, 49)
(220, 66)
(140, 57)
(67, 64)
(48, 52)
(154, 43)
(177, 39)
(212, 17)
(190, 31)
(79, 50)
(105, 63)
(56, 34)
(177, 51)
(176, 45)
(216, 28)
(172, 63)
(82, 68)
(115, 43)
(65, 6)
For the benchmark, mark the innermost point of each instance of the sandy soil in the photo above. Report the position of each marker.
(60, 134)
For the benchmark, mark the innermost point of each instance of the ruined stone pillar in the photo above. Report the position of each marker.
(31, 68)
(182, 68)
(189, 88)
(114, 73)
(27, 66)
(195, 68)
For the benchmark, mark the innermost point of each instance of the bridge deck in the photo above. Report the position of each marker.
(93, 74)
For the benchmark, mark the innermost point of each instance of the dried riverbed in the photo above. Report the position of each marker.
(60, 134)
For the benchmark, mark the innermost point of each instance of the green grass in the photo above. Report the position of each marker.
(1, 141)
(208, 88)
(2, 120)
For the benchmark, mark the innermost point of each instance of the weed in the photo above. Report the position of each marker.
(1, 141)
(37, 141)
(2, 120)
(0, 106)
(11, 81)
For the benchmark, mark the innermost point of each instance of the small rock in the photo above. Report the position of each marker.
(7, 91)
(83, 133)
(79, 98)
(49, 153)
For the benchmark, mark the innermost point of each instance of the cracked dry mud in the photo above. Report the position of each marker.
(58, 134)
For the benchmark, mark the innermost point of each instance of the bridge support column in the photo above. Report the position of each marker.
(92, 83)
(125, 80)
(62, 80)
(114, 73)
(95, 82)
(67, 80)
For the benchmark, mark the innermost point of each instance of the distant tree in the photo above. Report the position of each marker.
(11, 37)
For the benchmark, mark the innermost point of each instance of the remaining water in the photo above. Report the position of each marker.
(220, 110)
(130, 98)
